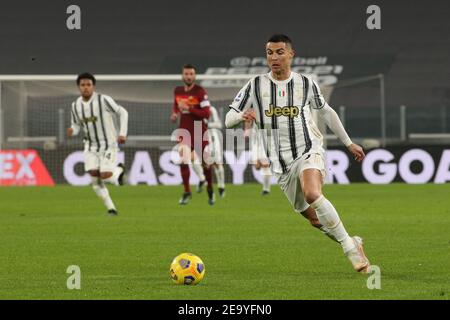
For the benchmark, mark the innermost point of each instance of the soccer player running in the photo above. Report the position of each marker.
(280, 103)
(191, 105)
(215, 151)
(96, 114)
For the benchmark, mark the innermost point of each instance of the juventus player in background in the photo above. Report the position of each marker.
(96, 113)
(215, 149)
(191, 105)
(280, 103)
(258, 156)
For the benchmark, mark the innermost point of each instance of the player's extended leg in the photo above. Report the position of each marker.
(214, 156)
(185, 156)
(311, 183)
(265, 171)
(220, 177)
(208, 175)
(198, 169)
(207, 170)
(109, 171)
(102, 192)
(311, 215)
(115, 177)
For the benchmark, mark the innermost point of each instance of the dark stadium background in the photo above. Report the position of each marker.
(138, 37)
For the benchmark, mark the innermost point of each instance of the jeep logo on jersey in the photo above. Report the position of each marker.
(291, 112)
(90, 119)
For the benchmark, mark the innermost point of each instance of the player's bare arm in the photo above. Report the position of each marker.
(175, 110)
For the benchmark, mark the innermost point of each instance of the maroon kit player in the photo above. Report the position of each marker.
(191, 106)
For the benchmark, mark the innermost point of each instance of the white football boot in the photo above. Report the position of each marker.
(357, 256)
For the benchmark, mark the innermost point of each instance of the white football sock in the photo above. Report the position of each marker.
(220, 176)
(102, 192)
(266, 178)
(198, 169)
(327, 233)
(329, 218)
(114, 179)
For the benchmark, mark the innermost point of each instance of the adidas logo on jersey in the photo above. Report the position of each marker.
(273, 111)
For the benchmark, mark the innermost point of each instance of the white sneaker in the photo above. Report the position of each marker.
(357, 256)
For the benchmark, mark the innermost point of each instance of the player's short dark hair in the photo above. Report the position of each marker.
(189, 66)
(86, 75)
(280, 38)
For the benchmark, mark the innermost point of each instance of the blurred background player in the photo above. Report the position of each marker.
(215, 150)
(191, 105)
(258, 156)
(96, 114)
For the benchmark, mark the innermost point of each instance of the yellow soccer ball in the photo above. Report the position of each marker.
(187, 269)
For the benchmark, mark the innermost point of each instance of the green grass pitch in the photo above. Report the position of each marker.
(253, 247)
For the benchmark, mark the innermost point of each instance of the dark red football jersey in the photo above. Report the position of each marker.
(197, 100)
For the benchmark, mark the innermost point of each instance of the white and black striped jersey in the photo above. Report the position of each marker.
(98, 118)
(284, 119)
